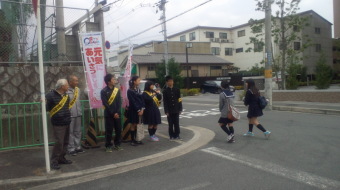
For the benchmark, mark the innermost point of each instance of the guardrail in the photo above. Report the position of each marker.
(21, 124)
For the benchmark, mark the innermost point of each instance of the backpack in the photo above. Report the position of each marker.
(262, 102)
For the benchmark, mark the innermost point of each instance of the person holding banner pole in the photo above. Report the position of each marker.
(135, 109)
(111, 99)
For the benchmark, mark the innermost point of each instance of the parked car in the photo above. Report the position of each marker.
(214, 86)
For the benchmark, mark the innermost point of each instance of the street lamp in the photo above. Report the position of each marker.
(188, 45)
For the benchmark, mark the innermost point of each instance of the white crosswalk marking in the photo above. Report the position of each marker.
(300, 176)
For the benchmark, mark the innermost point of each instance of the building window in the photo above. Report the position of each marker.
(194, 73)
(192, 36)
(209, 34)
(297, 45)
(186, 67)
(215, 50)
(296, 28)
(228, 51)
(239, 50)
(223, 35)
(317, 47)
(215, 67)
(258, 47)
(151, 68)
(225, 72)
(182, 38)
(317, 30)
(241, 33)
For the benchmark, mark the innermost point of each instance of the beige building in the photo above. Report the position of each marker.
(336, 12)
(231, 43)
(199, 65)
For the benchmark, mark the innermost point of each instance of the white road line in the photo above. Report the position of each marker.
(197, 186)
(299, 176)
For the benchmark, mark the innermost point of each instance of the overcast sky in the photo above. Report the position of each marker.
(128, 17)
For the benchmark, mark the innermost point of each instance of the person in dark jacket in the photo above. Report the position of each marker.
(57, 104)
(254, 111)
(173, 107)
(111, 99)
(135, 109)
(151, 115)
(226, 99)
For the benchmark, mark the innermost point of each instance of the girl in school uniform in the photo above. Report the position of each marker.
(254, 111)
(151, 115)
(135, 109)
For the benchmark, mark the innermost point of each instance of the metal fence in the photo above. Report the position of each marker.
(21, 124)
(18, 32)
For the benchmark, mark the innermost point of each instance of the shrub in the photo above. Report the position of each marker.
(184, 92)
(239, 87)
(323, 73)
(193, 91)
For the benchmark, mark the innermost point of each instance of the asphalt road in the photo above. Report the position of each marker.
(302, 153)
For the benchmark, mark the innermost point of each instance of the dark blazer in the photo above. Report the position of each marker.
(63, 116)
(136, 102)
(116, 105)
(252, 101)
(172, 100)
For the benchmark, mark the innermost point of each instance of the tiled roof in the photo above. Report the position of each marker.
(154, 58)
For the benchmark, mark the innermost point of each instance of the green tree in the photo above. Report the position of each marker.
(292, 81)
(286, 29)
(323, 73)
(174, 71)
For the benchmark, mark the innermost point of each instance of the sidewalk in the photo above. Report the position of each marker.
(21, 168)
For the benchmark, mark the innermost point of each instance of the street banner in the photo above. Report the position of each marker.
(124, 81)
(93, 54)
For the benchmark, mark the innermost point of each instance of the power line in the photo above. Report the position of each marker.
(159, 24)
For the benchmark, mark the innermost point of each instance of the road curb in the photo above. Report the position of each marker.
(307, 110)
(201, 137)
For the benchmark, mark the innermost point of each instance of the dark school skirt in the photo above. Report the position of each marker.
(225, 120)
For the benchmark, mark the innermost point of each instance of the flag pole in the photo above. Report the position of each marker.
(42, 89)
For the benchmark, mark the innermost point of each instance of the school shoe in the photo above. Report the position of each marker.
(64, 161)
(139, 142)
(55, 166)
(267, 134)
(72, 153)
(250, 134)
(230, 138)
(80, 151)
(133, 143)
(118, 148)
(108, 149)
(154, 138)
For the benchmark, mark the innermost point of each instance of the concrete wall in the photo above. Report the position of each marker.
(22, 84)
(307, 96)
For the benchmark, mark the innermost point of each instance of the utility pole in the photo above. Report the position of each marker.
(60, 28)
(163, 19)
(268, 63)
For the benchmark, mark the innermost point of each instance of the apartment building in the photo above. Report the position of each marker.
(231, 43)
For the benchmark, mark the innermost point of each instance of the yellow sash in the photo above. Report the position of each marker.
(59, 106)
(155, 99)
(76, 94)
(113, 96)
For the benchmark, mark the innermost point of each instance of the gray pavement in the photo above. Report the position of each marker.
(26, 167)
